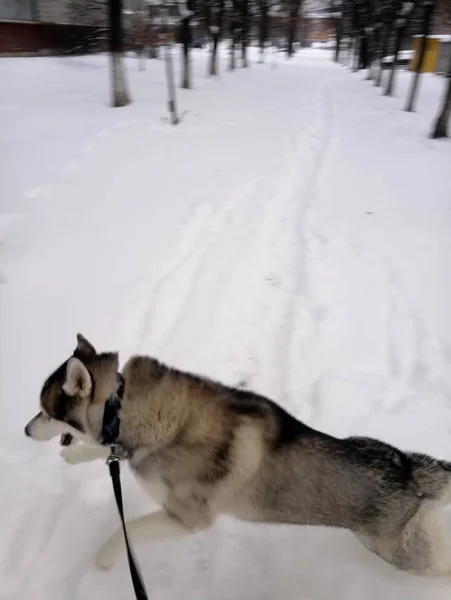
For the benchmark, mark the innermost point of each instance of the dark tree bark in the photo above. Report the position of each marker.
(214, 17)
(429, 6)
(338, 36)
(440, 129)
(293, 18)
(152, 33)
(120, 95)
(263, 27)
(234, 24)
(389, 14)
(186, 39)
(356, 35)
(245, 22)
(402, 22)
(336, 9)
(375, 41)
(363, 50)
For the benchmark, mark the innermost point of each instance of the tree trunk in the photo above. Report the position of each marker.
(376, 49)
(186, 74)
(234, 32)
(292, 25)
(356, 56)
(400, 30)
(172, 101)
(232, 53)
(152, 33)
(385, 44)
(213, 70)
(440, 129)
(351, 49)
(363, 51)
(185, 36)
(338, 32)
(141, 31)
(428, 11)
(214, 15)
(119, 90)
(244, 27)
(263, 28)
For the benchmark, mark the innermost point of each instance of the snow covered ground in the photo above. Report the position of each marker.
(293, 234)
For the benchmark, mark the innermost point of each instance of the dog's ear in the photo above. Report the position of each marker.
(84, 350)
(78, 380)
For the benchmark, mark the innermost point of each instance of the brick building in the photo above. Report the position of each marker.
(40, 27)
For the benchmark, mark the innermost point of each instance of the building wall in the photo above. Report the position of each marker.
(442, 18)
(315, 29)
(34, 39)
(53, 11)
(17, 10)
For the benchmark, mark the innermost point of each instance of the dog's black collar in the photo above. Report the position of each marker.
(111, 421)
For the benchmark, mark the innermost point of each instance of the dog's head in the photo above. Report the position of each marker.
(73, 397)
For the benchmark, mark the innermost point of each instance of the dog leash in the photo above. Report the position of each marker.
(110, 434)
(113, 462)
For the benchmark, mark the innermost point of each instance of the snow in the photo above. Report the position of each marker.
(402, 55)
(293, 233)
(440, 38)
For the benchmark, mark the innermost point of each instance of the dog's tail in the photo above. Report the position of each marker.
(432, 476)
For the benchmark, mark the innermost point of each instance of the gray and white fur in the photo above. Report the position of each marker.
(201, 449)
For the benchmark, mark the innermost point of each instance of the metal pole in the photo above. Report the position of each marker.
(172, 106)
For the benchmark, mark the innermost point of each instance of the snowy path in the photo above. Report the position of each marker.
(292, 236)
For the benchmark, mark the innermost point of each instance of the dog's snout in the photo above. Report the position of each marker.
(27, 430)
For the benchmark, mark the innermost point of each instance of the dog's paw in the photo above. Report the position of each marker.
(70, 454)
(80, 453)
(105, 558)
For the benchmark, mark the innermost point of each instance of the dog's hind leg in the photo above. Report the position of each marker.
(154, 527)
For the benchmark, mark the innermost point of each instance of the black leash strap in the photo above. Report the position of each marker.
(115, 472)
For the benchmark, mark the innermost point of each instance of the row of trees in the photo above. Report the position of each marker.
(369, 30)
(157, 22)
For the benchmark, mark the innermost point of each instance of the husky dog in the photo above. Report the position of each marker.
(202, 449)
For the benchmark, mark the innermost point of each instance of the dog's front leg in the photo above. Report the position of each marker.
(158, 525)
(80, 453)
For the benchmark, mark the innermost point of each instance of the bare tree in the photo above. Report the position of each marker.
(336, 8)
(440, 129)
(235, 30)
(294, 7)
(356, 35)
(263, 26)
(141, 27)
(428, 6)
(378, 25)
(120, 94)
(186, 11)
(404, 12)
(214, 11)
(388, 23)
(245, 26)
(372, 30)
(364, 9)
